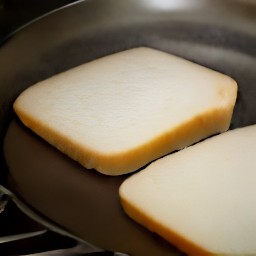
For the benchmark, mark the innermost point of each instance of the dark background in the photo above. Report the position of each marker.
(16, 13)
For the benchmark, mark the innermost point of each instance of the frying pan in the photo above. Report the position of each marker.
(219, 34)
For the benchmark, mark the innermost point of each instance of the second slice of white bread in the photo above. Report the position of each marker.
(203, 198)
(120, 112)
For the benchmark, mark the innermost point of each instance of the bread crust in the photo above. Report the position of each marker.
(169, 235)
(199, 127)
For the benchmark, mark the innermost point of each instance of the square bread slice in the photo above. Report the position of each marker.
(122, 111)
(201, 199)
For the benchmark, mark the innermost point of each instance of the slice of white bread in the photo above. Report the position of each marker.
(201, 199)
(122, 111)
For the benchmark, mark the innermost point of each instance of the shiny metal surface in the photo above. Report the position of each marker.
(11, 238)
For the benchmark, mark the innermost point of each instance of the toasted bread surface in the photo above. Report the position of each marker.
(122, 111)
(202, 198)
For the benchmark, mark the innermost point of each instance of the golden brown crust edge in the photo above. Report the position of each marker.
(199, 127)
(169, 235)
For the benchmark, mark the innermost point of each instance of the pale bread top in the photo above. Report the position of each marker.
(202, 199)
(120, 112)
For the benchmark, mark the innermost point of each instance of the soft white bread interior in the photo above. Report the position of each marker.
(122, 111)
(201, 199)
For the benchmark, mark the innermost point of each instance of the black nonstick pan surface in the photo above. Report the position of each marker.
(218, 34)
